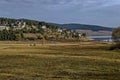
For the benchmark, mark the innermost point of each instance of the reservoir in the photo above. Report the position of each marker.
(101, 38)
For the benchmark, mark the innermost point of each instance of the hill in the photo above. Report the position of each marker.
(25, 29)
(84, 27)
(34, 26)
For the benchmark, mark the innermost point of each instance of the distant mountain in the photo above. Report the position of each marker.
(84, 27)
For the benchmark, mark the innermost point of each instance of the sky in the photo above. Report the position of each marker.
(96, 12)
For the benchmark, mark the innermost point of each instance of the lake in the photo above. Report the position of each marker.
(101, 38)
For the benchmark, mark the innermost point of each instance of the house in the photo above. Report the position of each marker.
(23, 24)
(79, 34)
(59, 30)
(18, 25)
(44, 27)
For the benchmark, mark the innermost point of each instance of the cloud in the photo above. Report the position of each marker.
(65, 3)
(16, 1)
(64, 11)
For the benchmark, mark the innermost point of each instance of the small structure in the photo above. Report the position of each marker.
(44, 27)
(60, 30)
(23, 24)
(79, 34)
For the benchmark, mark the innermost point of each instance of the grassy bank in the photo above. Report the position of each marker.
(63, 61)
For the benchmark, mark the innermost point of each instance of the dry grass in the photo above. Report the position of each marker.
(63, 61)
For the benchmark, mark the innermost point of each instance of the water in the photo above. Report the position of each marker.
(101, 38)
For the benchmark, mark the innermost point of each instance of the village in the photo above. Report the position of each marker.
(34, 32)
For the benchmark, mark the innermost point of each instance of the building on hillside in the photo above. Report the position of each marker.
(79, 34)
(21, 24)
(44, 27)
(18, 25)
(59, 30)
(4, 27)
(12, 25)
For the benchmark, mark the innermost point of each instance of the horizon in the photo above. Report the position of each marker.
(92, 12)
(60, 23)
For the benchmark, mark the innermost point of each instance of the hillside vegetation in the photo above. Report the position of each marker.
(17, 29)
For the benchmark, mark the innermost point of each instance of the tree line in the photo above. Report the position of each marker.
(8, 22)
(17, 34)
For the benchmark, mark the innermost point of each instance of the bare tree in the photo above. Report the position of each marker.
(116, 39)
(116, 35)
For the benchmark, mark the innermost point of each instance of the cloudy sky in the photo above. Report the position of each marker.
(98, 12)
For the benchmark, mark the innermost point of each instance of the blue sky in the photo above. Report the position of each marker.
(98, 12)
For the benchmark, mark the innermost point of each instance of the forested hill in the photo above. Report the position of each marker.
(9, 21)
(84, 27)
(24, 29)
(54, 25)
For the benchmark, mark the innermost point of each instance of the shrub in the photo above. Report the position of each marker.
(115, 46)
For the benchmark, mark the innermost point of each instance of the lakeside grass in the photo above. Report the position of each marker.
(60, 61)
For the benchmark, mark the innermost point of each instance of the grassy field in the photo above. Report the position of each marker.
(63, 61)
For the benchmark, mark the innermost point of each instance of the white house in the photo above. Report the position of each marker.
(79, 34)
(23, 24)
(60, 30)
(44, 27)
